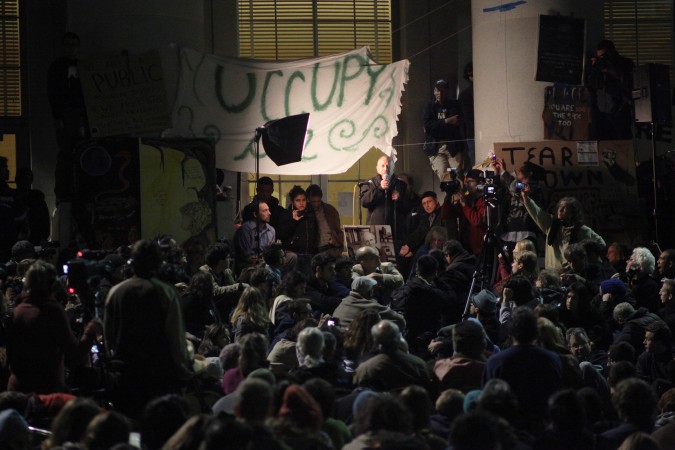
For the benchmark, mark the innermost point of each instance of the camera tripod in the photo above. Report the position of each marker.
(486, 267)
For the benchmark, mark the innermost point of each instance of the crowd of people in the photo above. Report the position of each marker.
(275, 339)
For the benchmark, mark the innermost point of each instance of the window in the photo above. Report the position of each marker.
(10, 59)
(11, 99)
(641, 29)
(281, 30)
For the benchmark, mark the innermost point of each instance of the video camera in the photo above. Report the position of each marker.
(453, 185)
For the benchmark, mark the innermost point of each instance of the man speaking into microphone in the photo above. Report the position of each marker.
(380, 193)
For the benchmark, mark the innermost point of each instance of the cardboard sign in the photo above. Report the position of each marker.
(600, 174)
(124, 94)
(567, 113)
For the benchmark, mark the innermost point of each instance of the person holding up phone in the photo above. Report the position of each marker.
(298, 229)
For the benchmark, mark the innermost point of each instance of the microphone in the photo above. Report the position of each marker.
(364, 183)
(385, 177)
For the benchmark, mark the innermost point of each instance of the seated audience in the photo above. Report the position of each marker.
(360, 299)
(391, 368)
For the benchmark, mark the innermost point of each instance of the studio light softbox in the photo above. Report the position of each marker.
(284, 139)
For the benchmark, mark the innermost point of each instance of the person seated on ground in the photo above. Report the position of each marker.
(39, 337)
(343, 276)
(483, 306)
(254, 236)
(331, 234)
(481, 429)
(324, 393)
(550, 290)
(418, 402)
(300, 420)
(429, 217)
(524, 264)
(656, 363)
(225, 291)
(252, 355)
(592, 362)
(70, 425)
(254, 403)
(293, 287)
(426, 303)
(594, 253)
(377, 414)
(387, 276)
(667, 311)
(293, 312)
(518, 291)
(621, 351)
(633, 324)
(449, 405)
(283, 356)
(434, 240)
(617, 255)
(359, 344)
(639, 277)
(460, 269)
(321, 291)
(250, 315)
(264, 191)
(565, 228)
(635, 403)
(504, 268)
(197, 304)
(578, 310)
(391, 368)
(162, 417)
(551, 338)
(580, 269)
(311, 363)
(533, 373)
(359, 299)
(464, 369)
(666, 264)
(106, 430)
(612, 292)
(567, 426)
(298, 230)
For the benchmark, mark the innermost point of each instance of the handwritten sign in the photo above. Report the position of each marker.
(125, 94)
(353, 104)
(567, 113)
(599, 174)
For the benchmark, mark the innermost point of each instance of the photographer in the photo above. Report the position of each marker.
(517, 223)
(610, 82)
(468, 209)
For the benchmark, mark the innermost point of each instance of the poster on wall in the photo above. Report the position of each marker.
(560, 53)
(601, 174)
(376, 236)
(124, 94)
(177, 190)
(175, 195)
(106, 210)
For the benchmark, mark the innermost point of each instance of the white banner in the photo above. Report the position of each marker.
(353, 103)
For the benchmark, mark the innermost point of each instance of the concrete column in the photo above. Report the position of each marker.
(508, 101)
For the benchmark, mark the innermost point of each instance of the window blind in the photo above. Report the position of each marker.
(10, 59)
(295, 29)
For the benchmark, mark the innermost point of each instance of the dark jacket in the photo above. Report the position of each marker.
(299, 236)
(322, 296)
(633, 330)
(437, 131)
(379, 204)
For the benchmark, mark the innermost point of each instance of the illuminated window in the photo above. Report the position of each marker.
(10, 60)
(641, 29)
(281, 30)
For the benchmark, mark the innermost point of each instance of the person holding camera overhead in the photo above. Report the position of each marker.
(516, 222)
(466, 210)
(298, 229)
